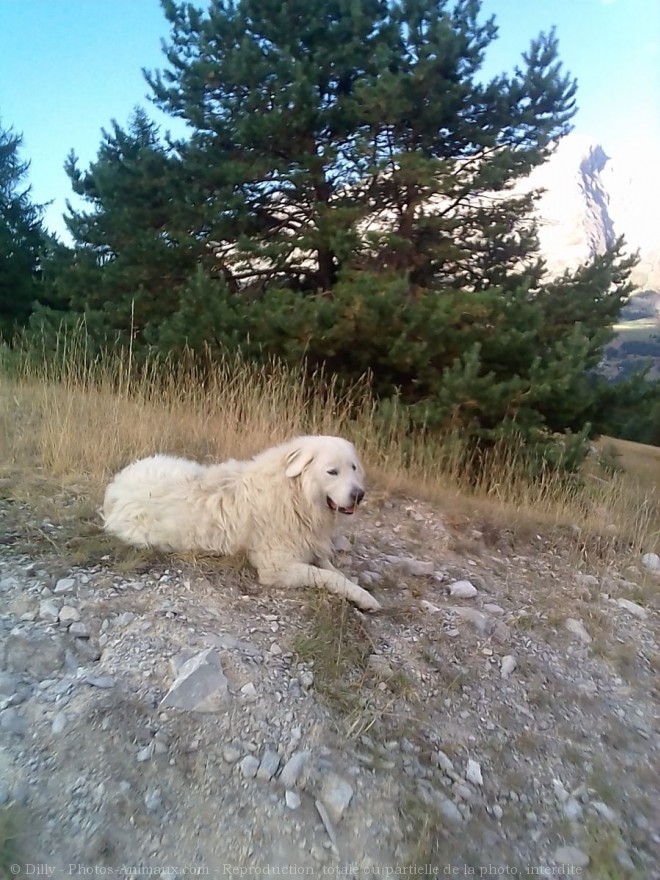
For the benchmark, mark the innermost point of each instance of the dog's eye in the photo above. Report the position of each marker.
(354, 467)
(333, 472)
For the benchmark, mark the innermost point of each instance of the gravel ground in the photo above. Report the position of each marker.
(161, 714)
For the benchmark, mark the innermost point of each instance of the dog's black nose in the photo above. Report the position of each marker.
(358, 496)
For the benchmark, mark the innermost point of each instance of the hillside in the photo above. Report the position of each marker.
(497, 715)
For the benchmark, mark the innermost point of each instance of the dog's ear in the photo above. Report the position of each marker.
(297, 460)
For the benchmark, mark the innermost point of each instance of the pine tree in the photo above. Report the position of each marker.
(127, 262)
(24, 243)
(346, 194)
(312, 118)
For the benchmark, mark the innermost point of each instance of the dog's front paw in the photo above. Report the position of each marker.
(368, 603)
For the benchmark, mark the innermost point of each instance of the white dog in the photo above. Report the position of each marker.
(279, 507)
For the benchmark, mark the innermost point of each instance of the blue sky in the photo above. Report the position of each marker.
(68, 67)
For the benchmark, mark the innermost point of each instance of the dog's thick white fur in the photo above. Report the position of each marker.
(279, 507)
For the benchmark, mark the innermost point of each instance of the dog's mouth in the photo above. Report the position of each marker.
(349, 511)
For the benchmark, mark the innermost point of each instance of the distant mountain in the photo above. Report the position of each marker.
(591, 199)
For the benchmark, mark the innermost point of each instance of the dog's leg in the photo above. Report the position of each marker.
(298, 574)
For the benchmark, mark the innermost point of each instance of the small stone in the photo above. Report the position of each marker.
(571, 855)
(153, 801)
(68, 615)
(342, 544)
(572, 809)
(417, 568)
(12, 722)
(306, 679)
(200, 686)
(292, 799)
(336, 794)
(651, 561)
(59, 722)
(145, 753)
(268, 766)
(48, 611)
(99, 681)
(449, 810)
(491, 608)
(444, 761)
(231, 754)
(429, 607)
(480, 621)
(465, 793)
(79, 630)
(249, 766)
(462, 590)
(509, 663)
(293, 769)
(633, 608)
(498, 812)
(249, 691)
(604, 811)
(8, 583)
(86, 649)
(577, 628)
(473, 772)
(64, 585)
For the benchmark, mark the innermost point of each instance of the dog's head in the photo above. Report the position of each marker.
(329, 470)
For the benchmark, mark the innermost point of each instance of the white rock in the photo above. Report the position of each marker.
(68, 615)
(572, 809)
(577, 628)
(200, 686)
(48, 611)
(651, 561)
(491, 608)
(462, 590)
(231, 754)
(268, 765)
(429, 607)
(633, 608)
(249, 691)
(604, 811)
(473, 772)
(145, 753)
(64, 585)
(294, 769)
(249, 766)
(449, 810)
(336, 794)
(443, 761)
(509, 663)
(59, 722)
(292, 799)
(571, 855)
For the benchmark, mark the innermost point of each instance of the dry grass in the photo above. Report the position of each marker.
(74, 420)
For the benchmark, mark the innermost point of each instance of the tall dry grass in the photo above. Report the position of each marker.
(71, 416)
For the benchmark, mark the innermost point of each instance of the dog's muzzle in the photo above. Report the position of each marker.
(357, 497)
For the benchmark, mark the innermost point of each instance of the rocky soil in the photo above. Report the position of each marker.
(162, 713)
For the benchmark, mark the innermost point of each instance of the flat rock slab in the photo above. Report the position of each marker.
(201, 685)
